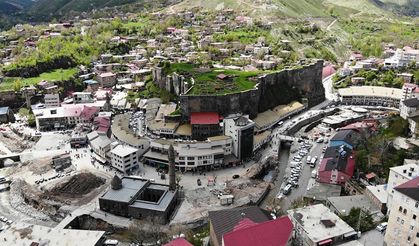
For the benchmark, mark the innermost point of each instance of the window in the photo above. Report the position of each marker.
(398, 219)
(404, 211)
(414, 216)
(412, 227)
(400, 208)
(402, 222)
(417, 205)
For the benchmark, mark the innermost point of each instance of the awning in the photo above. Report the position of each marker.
(350, 234)
(100, 159)
(325, 241)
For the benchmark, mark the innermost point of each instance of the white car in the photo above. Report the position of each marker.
(382, 227)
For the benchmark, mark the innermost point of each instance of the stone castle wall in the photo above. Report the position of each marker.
(273, 89)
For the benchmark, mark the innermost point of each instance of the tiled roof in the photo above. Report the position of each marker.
(410, 188)
(178, 242)
(204, 118)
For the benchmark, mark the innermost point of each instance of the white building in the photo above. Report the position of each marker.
(399, 175)
(370, 96)
(125, 158)
(409, 91)
(52, 100)
(402, 58)
(403, 225)
(192, 155)
(241, 131)
(408, 106)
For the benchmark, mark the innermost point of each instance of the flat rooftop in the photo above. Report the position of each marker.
(160, 205)
(371, 91)
(344, 204)
(311, 217)
(270, 117)
(123, 150)
(379, 191)
(25, 234)
(130, 187)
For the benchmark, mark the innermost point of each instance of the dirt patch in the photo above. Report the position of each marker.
(39, 166)
(15, 142)
(80, 184)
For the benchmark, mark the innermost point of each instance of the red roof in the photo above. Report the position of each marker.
(244, 223)
(178, 242)
(270, 233)
(204, 118)
(328, 70)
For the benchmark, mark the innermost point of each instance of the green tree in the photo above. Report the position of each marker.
(17, 85)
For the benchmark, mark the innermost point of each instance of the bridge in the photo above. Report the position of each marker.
(286, 138)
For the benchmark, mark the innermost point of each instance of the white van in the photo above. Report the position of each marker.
(287, 189)
(381, 227)
(111, 242)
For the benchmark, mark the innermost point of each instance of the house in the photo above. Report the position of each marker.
(204, 125)
(82, 97)
(402, 58)
(317, 225)
(276, 232)
(378, 195)
(403, 226)
(107, 79)
(342, 205)
(349, 138)
(337, 165)
(101, 145)
(124, 158)
(224, 221)
(6, 115)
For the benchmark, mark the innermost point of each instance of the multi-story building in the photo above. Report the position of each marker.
(399, 175)
(82, 97)
(410, 90)
(370, 96)
(402, 58)
(51, 100)
(408, 106)
(124, 158)
(241, 131)
(204, 125)
(317, 225)
(107, 79)
(193, 155)
(403, 225)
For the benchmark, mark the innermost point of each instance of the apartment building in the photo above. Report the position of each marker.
(399, 175)
(51, 100)
(403, 223)
(241, 131)
(402, 58)
(124, 158)
(410, 90)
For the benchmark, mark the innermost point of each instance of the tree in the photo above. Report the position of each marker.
(17, 85)
(147, 231)
(354, 218)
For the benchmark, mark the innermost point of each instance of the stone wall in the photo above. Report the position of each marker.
(272, 90)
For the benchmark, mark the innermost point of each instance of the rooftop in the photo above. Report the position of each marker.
(344, 204)
(184, 130)
(321, 191)
(178, 242)
(130, 188)
(410, 188)
(347, 136)
(4, 110)
(379, 191)
(311, 217)
(161, 204)
(205, 118)
(411, 102)
(371, 91)
(123, 150)
(24, 234)
(408, 170)
(269, 233)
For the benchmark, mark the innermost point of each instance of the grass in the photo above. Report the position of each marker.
(55, 75)
(207, 83)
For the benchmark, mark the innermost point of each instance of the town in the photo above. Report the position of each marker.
(199, 128)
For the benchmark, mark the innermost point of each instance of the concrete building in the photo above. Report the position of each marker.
(107, 79)
(139, 198)
(51, 100)
(371, 96)
(100, 145)
(399, 175)
(342, 205)
(125, 158)
(82, 97)
(241, 131)
(125, 135)
(216, 152)
(378, 195)
(317, 225)
(204, 125)
(35, 235)
(410, 90)
(403, 225)
(402, 58)
(408, 106)
(348, 138)
(61, 162)
(337, 165)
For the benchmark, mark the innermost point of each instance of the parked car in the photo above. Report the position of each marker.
(287, 189)
(198, 182)
(236, 176)
(382, 227)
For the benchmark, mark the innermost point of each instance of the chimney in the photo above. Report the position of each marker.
(172, 178)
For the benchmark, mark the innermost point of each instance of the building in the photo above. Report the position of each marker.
(337, 165)
(52, 100)
(100, 145)
(317, 225)
(204, 125)
(371, 96)
(241, 131)
(399, 175)
(410, 90)
(125, 158)
(61, 162)
(276, 232)
(125, 135)
(20, 233)
(348, 138)
(6, 115)
(178, 242)
(409, 106)
(215, 152)
(402, 58)
(414, 124)
(403, 226)
(140, 199)
(82, 97)
(342, 205)
(224, 221)
(107, 79)
(378, 195)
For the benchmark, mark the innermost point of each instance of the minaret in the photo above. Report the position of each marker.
(172, 178)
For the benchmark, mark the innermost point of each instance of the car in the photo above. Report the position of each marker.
(287, 189)
(9, 222)
(382, 227)
(236, 176)
(2, 218)
(198, 182)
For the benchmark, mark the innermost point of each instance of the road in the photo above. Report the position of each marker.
(372, 238)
